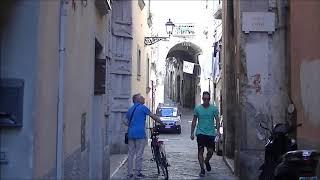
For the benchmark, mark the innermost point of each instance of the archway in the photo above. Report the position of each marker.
(179, 80)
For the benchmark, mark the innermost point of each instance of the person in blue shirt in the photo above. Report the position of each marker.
(205, 132)
(136, 133)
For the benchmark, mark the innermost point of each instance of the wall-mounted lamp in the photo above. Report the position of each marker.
(152, 40)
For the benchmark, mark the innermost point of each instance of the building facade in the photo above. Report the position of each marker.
(270, 59)
(51, 69)
(255, 79)
(127, 66)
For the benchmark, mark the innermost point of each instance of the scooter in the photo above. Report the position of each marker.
(277, 145)
(300, 165)
(282, 159)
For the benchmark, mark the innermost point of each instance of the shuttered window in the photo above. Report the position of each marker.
(138, 63)
(99, 71)
(100, 76)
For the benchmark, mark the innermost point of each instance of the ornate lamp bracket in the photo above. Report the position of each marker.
(152, 40)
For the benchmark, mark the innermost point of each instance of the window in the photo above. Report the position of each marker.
(141, 4)
(99, 71)
(168, 112)
(148, 71)
(138, 64)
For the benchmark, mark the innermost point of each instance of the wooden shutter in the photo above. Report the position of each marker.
(100, 76)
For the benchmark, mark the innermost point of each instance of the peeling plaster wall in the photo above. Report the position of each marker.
(262, 85)
(264, 93)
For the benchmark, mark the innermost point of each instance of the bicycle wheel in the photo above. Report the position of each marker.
(156, 157)
(164, 166)
(158, 164)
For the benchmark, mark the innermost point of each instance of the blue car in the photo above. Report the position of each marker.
(171, 118)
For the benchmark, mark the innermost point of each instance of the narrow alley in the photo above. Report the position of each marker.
(182, 157)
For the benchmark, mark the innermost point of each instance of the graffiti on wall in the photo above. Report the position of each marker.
(257, 83)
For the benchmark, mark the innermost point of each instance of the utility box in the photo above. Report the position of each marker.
(11, 102)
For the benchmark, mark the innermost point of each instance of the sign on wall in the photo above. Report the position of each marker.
(184, 29)
(258, 22)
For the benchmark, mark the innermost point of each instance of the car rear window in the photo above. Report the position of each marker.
(168, 112)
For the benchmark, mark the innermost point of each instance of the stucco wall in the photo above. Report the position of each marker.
(99, 160)
(261, 64)
(140, 27)
(79, 66)
(18, 60)
(305, 65)
(46, 93)
(82, 27)
(30, 51)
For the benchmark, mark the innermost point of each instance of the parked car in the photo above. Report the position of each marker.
(170, 116)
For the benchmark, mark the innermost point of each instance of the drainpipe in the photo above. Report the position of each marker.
(59, 146)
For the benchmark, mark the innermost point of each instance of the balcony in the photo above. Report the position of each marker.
(217, 11)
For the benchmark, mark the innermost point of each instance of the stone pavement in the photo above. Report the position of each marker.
(116, 162)
(182, 157)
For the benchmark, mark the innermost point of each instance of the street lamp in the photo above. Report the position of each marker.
(152, 40)
(169, 27)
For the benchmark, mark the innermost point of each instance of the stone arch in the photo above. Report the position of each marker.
(184, 51)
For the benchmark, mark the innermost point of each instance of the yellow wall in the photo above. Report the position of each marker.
(83, 25)
(45, 115)
(140, 27)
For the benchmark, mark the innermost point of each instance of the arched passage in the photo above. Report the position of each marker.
(183, 87)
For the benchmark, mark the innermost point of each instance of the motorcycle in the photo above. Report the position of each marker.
(282, 159)
(300, 165)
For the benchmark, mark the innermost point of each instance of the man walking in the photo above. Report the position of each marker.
(205, 132)
(136, 117)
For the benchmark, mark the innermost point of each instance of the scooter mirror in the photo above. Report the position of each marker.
(290, 108)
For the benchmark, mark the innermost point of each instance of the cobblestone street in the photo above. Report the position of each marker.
(182, 157)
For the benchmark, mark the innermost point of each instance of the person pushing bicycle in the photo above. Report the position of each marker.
(136, 117)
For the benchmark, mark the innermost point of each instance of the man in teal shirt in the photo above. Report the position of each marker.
(205, 132)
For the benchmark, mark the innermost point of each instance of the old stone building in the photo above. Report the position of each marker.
(128, 66)
(270, 58)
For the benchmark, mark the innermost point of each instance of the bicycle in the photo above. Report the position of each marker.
(159, 153)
